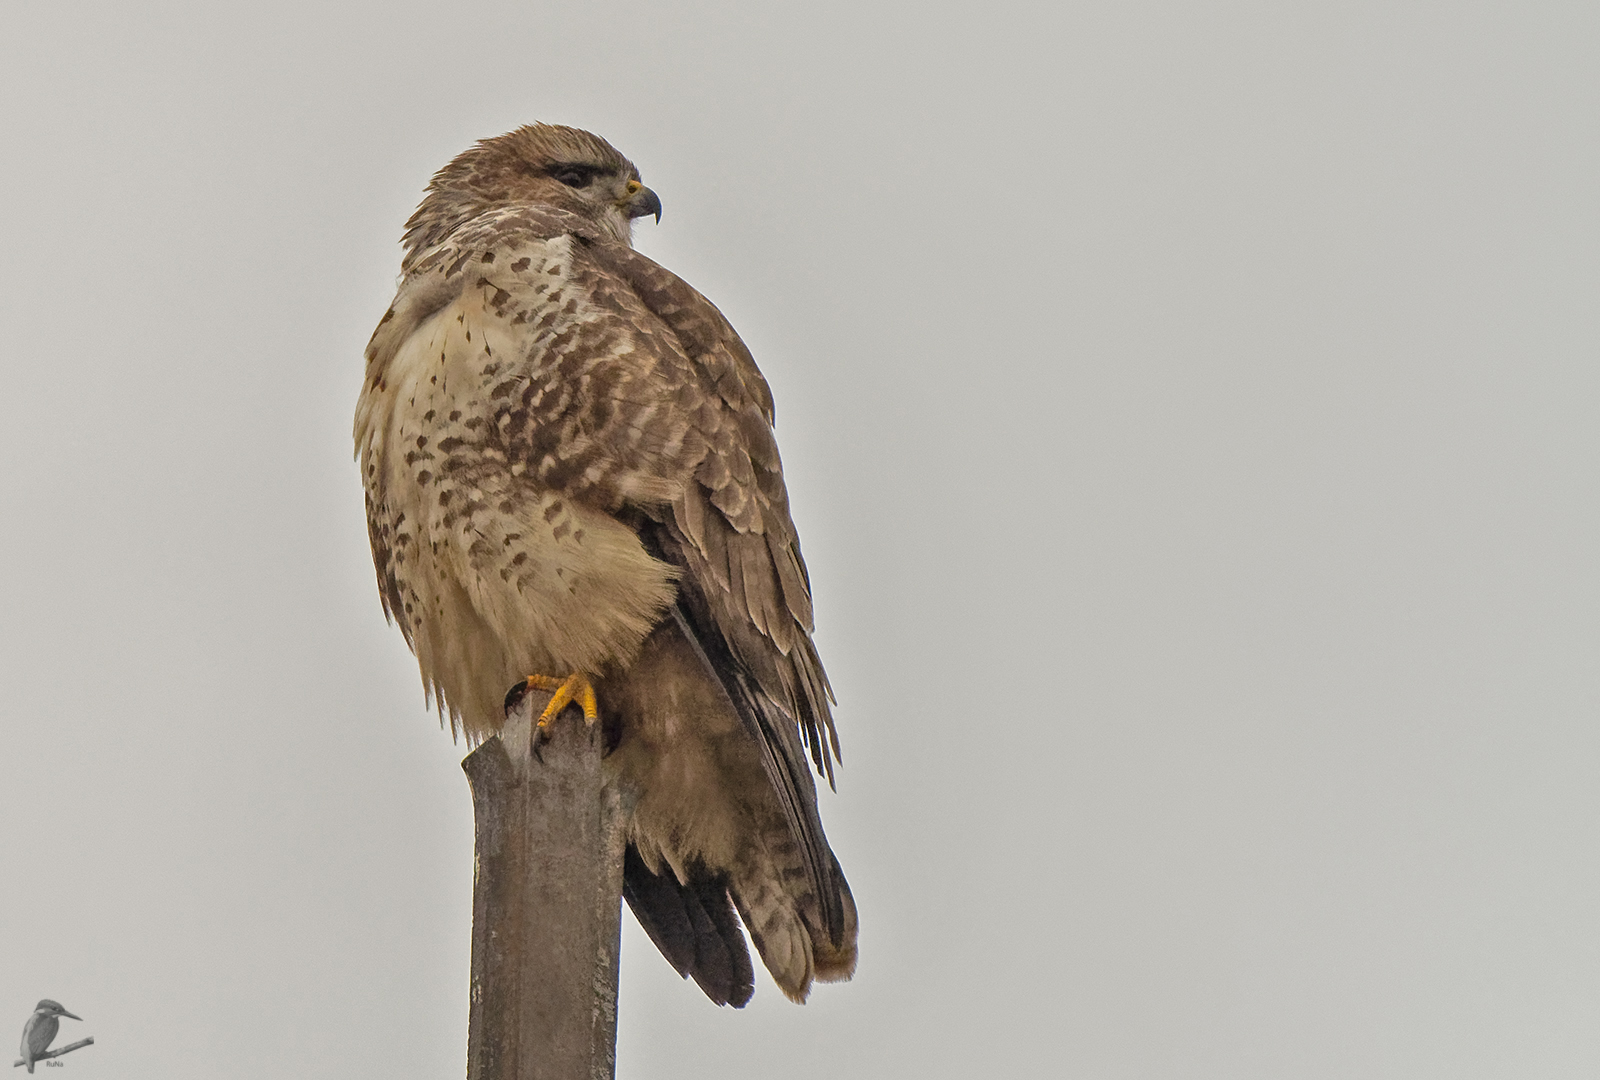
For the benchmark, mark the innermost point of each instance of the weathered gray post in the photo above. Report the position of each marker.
(546, 904)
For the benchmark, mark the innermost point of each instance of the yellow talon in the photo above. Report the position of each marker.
(563, 692)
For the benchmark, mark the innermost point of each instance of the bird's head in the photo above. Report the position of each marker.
(53, 1008)
(542, 164)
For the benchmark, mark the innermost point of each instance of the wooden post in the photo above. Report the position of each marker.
(546, 904)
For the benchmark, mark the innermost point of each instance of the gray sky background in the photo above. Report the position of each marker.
(1190, 413)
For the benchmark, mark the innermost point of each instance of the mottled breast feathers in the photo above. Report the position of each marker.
(579, 376)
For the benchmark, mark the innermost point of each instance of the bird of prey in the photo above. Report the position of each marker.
(40, 1030)
(572, 483)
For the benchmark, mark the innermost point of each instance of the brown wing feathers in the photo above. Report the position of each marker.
(735, 511)
(745, 603)
(785, 765)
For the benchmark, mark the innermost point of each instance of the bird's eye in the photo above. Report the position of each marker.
(572, 176)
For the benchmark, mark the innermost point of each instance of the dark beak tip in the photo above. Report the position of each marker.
(646, 203)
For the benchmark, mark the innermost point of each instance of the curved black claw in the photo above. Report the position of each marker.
(541, 734)
(514, 697)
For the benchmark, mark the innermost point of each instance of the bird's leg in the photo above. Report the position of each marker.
(574, 689)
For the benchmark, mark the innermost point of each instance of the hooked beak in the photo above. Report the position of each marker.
(640, 202)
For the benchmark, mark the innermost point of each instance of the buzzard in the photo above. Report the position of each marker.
(572, 483)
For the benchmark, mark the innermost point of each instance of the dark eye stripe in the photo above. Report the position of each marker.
(576, 176)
